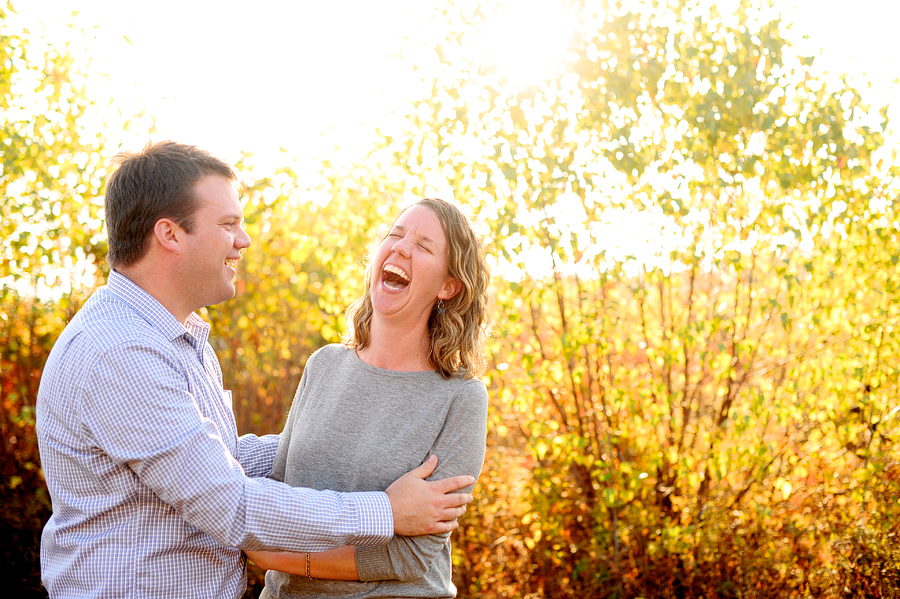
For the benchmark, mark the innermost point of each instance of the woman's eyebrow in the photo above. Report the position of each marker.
(421, 238)
(424, 239)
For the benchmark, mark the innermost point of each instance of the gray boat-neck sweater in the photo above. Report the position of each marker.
(354, 427)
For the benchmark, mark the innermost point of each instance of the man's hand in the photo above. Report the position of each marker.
(422, 507)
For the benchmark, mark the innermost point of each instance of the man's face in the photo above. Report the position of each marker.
(214, 248)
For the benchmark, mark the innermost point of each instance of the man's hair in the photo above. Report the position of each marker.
(457, 326)
(143, 187)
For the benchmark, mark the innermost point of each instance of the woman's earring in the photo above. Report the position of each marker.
(440, 306)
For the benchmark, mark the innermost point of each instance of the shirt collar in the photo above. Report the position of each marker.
(197, 329)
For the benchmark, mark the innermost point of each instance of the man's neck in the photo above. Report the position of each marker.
(157, 286)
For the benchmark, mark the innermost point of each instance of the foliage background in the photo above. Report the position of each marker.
(694, 377)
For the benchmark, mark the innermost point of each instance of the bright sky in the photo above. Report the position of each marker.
(307, 75)
(232, 76)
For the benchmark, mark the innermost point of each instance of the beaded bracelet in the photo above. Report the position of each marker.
(307, 567)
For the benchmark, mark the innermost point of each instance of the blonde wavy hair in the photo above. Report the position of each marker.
(459, 328)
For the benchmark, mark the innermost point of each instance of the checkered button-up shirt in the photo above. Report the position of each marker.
(153, 491)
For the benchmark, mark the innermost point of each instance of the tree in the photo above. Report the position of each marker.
(51, 154)
(694, 371)
(685, 394)
(53, 158)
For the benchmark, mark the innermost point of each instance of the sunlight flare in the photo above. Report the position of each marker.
(527, 39)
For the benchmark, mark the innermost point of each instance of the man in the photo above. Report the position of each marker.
(154, 494)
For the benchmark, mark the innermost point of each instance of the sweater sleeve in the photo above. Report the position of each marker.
(460, 450)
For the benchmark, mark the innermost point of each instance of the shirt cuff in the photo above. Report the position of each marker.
(376, 520)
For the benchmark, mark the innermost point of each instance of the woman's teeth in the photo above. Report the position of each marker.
(394, 278)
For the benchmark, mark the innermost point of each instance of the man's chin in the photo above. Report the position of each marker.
(226, 294)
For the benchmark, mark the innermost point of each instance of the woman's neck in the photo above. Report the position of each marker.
(397, 348)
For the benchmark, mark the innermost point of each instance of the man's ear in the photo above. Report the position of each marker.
(168, 235)
(451, 287)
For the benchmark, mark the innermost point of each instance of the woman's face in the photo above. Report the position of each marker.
(410, 267)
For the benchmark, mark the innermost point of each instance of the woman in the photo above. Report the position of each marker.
(402, 387)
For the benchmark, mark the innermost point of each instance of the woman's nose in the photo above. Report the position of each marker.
(401, 246)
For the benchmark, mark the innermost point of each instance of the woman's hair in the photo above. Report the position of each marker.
(457, 326)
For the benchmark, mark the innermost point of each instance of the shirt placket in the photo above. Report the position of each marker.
(212, 403)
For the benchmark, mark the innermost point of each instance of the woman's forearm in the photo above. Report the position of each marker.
(337, 564)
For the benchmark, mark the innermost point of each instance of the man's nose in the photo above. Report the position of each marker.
(242, 240)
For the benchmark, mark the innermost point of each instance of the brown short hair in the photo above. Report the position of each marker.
(143, 187)
(459, 328)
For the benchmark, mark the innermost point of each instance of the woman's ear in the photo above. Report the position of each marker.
(451, 287)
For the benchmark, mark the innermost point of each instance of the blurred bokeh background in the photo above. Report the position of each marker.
(691, 209)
